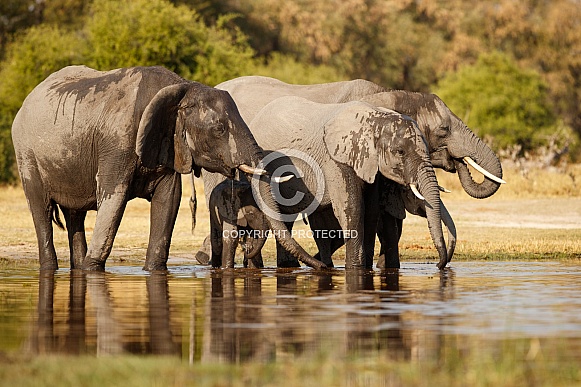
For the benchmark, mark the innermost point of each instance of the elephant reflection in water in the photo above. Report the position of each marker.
(247, 319)
(232, 322)
(98, 325)
(44, 338)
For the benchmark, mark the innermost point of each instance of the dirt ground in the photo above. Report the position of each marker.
(545, 213)
(504, 220)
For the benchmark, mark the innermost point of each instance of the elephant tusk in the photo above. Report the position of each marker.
(416, 192)
(254, 171)
(444, 189)
(473, 163)
(282, 179)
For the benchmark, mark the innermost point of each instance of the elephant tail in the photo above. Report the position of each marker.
(193, 204)
(55, 216)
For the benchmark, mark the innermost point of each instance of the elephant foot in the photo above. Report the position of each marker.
(327, 261)
(51, 266)
(389, 263)
(155, 267)
(203, 258)
(288, 263)
(93, 265)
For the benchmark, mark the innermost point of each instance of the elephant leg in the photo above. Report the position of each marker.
(229, 244)
(254, 263)
(41, 209)
(109, 213)
(349, 209)
(327, 243)
(75, 221)
(203, 256)
(216, 239)
(283, 257)
(371, 200)
(164, 211)
(389, 230)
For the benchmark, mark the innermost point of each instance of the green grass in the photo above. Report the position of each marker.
(512, 363)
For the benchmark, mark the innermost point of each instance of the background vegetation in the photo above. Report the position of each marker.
(510, 68)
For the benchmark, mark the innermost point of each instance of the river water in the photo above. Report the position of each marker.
(211, 315)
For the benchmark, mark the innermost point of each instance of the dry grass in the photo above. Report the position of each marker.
(532, 217)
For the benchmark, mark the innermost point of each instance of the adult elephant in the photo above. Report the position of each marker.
(92, 140)
(452, 145)
(344, 146)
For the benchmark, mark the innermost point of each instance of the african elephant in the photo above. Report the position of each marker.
(92, 140)
(351, 143)
(235, 216)
(452, 145)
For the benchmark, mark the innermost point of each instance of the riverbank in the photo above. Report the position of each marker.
(534, 216)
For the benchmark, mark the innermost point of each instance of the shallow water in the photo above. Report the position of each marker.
(207, 315)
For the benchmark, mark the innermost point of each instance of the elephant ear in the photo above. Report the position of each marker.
(161, 137)
(351, 140)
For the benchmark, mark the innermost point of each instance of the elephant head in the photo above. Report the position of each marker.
(373, 140)
(451, 143)
(188, 126)
(191, 126)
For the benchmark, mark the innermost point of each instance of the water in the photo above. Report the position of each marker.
(206, 315)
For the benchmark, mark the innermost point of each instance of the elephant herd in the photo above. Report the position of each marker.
(349, 157)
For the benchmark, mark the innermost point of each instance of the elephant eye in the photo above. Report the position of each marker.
(400, 152)
(219, 129)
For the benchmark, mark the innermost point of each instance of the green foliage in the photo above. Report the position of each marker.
(155, 32)
(119, 34)
(497, 98)
(287, 69)
(36, 54)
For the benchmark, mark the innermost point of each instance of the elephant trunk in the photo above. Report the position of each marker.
(428, 187)
(256, 245)
(478, 151)
(449, 223)
(281, 232)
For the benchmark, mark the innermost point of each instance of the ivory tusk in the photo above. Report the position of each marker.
(254, 171)
(282, 179)
(444, 189)
(416, 192)
(473, 163)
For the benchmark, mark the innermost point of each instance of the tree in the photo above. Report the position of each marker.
(155, 32)
(498, 99)
(25, 66)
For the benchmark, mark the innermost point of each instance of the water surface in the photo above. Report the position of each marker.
(208, 315)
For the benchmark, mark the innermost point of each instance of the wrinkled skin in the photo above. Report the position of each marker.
(234, 212)
(91, 140)
(448, 138)
(351, 143)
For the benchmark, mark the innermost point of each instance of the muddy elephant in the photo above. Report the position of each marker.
(452, 145)
(92, 140)
(235, 217)
(350, 144)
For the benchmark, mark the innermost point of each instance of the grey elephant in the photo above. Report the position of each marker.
(92, 140)
(452, 145)
(351, 143)
(235, 217)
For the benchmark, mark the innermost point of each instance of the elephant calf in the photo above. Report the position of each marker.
(234, 217)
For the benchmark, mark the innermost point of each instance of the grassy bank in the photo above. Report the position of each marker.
(537, 215)
(512, 363)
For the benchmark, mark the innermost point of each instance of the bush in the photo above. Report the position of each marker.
(155, 32)
(31, 58)
(119, 34)
(496, 98)
(287, 69)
